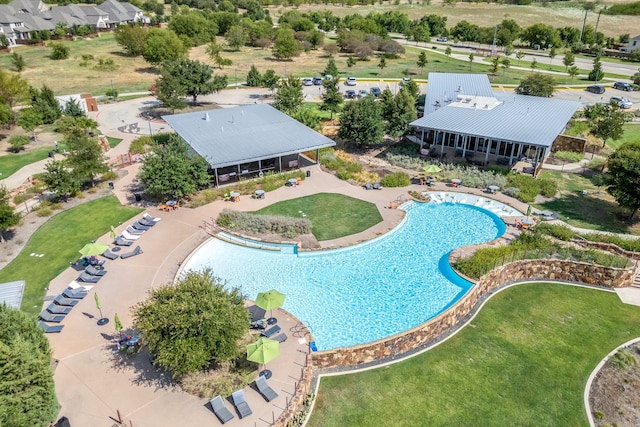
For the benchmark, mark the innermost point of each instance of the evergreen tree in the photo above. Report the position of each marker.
(422, 61)
(596, 74)
(331, 69)
(289, 95)
(254, 78)
(72, 109)
(332, 99)
(403, 112)
(44, 102)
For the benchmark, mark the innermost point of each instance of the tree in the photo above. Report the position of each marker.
(568, 60)
(471, 58)
(285, 46)
(59, 51)
(27, 395)
(596, 74)
(254, 78)
(44, 102)
(76, 126)
(361, 122)
(331, 69)
(537, 84)
(552, 54)
(332, 99)
(382, 63)
(6, 115)
(59, 179)
(542, 35)
(162, 45)
(72, 109)
(289, 96)
(132, 38)
(423, 60)
(270, 79)
(173, 172)
(448, 51)
(534, 64)
(606, 121)
(236, 37)
(573, 71)
(636, 78)
(18, 142)
(85, 157)
(214, 50)
(351, 61)
(402, 112)
(505, 63)
(519, 56)
(8, 218)
(207, 323)
(194, 26)
(307, 116)
(13, 89)
(191, 78)
(495, 64)
(623, 176)
(29, 120)
(18, 61)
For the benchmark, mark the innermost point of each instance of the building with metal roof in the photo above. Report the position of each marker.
(462, 112)
(11, 293)
(246, 141)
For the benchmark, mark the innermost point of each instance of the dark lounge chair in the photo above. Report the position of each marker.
(146, 222)
(368, 186)
(148, 217)
(138, 226)
(134, 252)
(74, 293)
(264, 389)
(121, 241)
(50, 329)
(95, 271)
(58, 309)
(45, 315)
(280, 338)
(61, 300)
(377, 186)
(110, 255)
(221, 411)
(133, 231)
(241, 404)
(271, 331)
(86, 277)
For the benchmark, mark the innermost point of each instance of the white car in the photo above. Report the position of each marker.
(307, 82)
(621, 101)
(351, 81)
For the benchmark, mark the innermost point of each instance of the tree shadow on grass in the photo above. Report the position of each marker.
(147, 70)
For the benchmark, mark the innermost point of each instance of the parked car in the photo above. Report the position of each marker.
(351, 81)
(375, 91)
(405, 80)
(441, 39)
(317, 81)
(623, 86)
(621, 101)
(350, 94)
(362, 93)
(307, 82)
(328, 77)
(595, 89)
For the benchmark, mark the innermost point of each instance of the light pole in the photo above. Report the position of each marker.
(236, 69)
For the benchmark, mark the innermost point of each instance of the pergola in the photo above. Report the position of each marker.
(246, 141)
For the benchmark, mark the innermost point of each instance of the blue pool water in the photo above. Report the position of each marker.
(368, 291)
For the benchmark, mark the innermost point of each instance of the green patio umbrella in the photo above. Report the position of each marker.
(263, 351)
(95, 248)
(431, 169)
(113, 232)
(529, 210)
(270, 299)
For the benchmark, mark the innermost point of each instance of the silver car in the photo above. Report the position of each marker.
(621, 101)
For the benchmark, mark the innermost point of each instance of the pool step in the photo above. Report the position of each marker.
(636, 281)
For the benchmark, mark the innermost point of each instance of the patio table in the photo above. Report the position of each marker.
(293, 182)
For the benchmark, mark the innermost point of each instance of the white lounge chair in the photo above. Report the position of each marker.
(130, 236)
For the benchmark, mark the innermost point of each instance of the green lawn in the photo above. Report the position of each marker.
(13, 162)
(332, 215)
(113, 142)
(523, 361)
(631, 133)
(59, 239)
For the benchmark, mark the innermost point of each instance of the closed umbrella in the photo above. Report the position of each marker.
(95, 248)
(113, 232)
(263, 351)
(431, 169)
(270, 299)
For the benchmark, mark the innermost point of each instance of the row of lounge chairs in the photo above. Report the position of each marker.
(61, 306)
(240, 402)
(131, 234)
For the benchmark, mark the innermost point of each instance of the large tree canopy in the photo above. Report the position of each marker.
(27, 393)
(537, 84)
(361, 122)
(185, 77)
(623, 176)
(8, 216)
(85, 157)
(606, 121)
(193, 323)
(162, 45)
(289, 95)
(172, 172)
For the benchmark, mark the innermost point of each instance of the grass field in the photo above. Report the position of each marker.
(12, 162)
(631, 133)
(523, 361)
(60, 239)
(331, 215)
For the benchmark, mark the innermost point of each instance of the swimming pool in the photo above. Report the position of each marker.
(368, 291)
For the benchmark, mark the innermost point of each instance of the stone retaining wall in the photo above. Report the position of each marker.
(429, 332)
(569, 143)
(609, 247)
(296, 404)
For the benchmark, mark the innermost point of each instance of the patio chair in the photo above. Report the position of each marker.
(139, 226)
(110, 255)
(95, 271)
(241, 404)
(145, 222)
(74, 293)
(58, 309)
(133, 231)
(280, 338)
(271, 331)
(53, 318)
(121, 241)
(148, 217)
(62, 300)
(164, 207)
(134, 252)
(85, 277)
(130, 236)
(377, 186)
(221, 411)
(368, 186)
(50, 329)
(264, 389)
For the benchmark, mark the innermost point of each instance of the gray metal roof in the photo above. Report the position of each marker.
(446, 86)
(11, 293)
(231, 136)
(519, 118)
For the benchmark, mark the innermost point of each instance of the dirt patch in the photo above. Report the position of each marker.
(615, 394)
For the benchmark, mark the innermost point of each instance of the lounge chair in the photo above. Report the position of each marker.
(53, 318)
(58, 309)
(280, 338)
(74, 293)
(85, 277)
(264, 389)
(61, 300)
(133, 231)
(130, 236)
(95, 271)
(221, 411)
(377, 186)
(50, 329)
(368, 186)
(134, 252)
(148, 217)
(110, 255)
(241, 404)
(139, 226)
(271, 331)
(121, 241)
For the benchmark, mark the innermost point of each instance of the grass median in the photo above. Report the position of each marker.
(59, 240)
(524, 360)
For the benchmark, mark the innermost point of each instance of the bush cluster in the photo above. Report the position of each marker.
(529, 187)
(344, 167)
(396, 179)
(264, 224)
(568, 156)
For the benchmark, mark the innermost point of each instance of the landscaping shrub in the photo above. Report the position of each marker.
(340, 162)
(18, 142)
(530, 187)
(142, 145)
(548, 187)
(561, 232)
(511, 191)
(632, 245)
(110, 175)
(396, 179)
(596, 163)
(623, 359)
(568, 156)
(264, 224)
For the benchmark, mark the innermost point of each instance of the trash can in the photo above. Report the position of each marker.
(111, 186)
(138, 197)
(308, 174)
(51, 154)
(63, 422)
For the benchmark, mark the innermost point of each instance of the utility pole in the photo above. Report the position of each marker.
(493, 45)
(597, 22)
